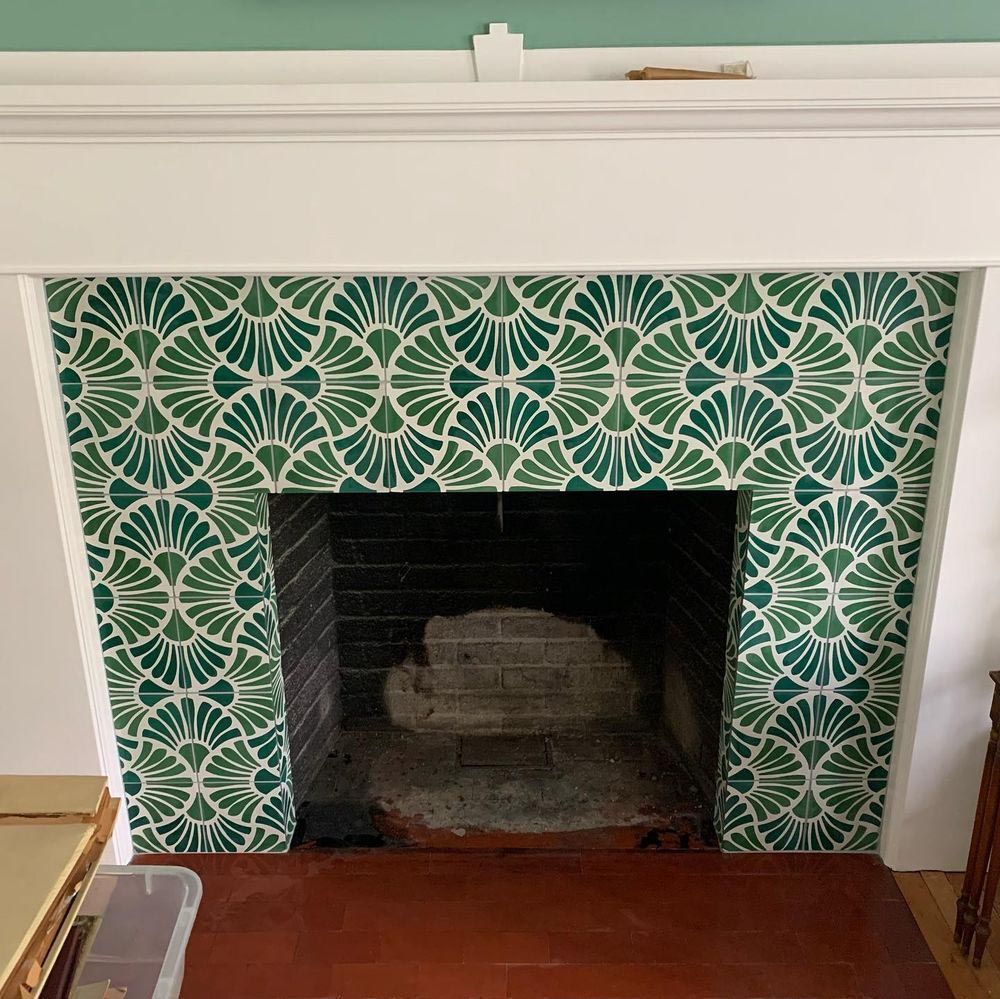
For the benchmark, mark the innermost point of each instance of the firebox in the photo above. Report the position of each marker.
(532, 668)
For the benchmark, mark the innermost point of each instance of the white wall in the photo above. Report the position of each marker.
(944, 715)
(45, 716)
(48, 703)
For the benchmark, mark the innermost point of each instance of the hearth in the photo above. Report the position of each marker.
(517, 669)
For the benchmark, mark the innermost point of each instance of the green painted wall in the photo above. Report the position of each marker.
(447, 24)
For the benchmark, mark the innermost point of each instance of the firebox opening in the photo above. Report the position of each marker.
(511, 669)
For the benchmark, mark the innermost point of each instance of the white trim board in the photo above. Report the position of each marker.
(54, 703)
(527, 111)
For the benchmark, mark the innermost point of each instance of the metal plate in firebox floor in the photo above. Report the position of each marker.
(504, 751)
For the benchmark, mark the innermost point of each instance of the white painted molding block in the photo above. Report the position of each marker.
(499, 55)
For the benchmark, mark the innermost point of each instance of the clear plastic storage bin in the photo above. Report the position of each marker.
(147, 915)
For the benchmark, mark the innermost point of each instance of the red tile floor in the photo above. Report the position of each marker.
(565, 925)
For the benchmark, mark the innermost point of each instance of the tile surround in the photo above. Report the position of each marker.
(816, 394)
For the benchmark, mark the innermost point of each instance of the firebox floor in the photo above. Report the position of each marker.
(572, 790)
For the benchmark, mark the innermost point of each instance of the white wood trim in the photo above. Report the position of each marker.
(36, 319)
(968, 311)
(945, 89)
(539, 111)
(927, 60)
(498, 54)
(954, 635)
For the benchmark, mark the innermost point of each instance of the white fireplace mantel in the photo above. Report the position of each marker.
(854, 156)
(611, 110)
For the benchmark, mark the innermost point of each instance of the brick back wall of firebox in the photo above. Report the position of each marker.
(469, 612)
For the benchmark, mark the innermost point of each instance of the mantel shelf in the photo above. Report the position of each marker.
(228, 107)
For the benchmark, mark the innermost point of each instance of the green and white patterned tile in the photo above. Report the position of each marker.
(904, 511)
(897, 427)
(915, 354)
(767, 816)
(768, 785)
(850, 773)
(679, 436)
(329, 437)
(734, 616)
(103, 495)
(682, 327)
(866, 620)
(111, 429)
(107, 328)
(446, 438)
(771, 692)
(131, 579)
(230, 757)
(222, 435)
(816, 394)
(590, 305)
(334, 330)
(870, 684)
(795, 434)
(158, 771)
(223, 589)
(429, 359)
(805, 326)
(880, 538)
(778, 818)
(226, 635)
(242, 682)
(455, 320)
(790, 566)
(256, 817)
(561, 337)
(792, 799)
(449, 344)
(563, 439)
(234, 329)
(910, 322)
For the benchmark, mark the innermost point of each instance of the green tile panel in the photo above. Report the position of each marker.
(817, 395)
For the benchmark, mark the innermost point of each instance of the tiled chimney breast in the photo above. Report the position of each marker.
(188, 399)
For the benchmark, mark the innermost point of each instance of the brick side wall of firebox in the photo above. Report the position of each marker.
(303, 578)
(700, 537)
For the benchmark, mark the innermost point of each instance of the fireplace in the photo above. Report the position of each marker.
(582, 634)
(814, 396)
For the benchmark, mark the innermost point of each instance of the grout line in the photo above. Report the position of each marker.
(625, 287)
(740, 400)
(504, 392)
(161, 507)
(269, 399)
(839, 495)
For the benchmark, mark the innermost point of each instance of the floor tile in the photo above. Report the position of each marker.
(337, 947)
(266, 947)
(561, 924)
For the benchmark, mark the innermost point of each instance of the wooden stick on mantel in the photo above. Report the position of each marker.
(667, 73)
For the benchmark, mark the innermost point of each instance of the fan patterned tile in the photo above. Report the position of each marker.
(816, 395)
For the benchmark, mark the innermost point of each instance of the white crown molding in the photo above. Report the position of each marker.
(801, 90)
(501, 110)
